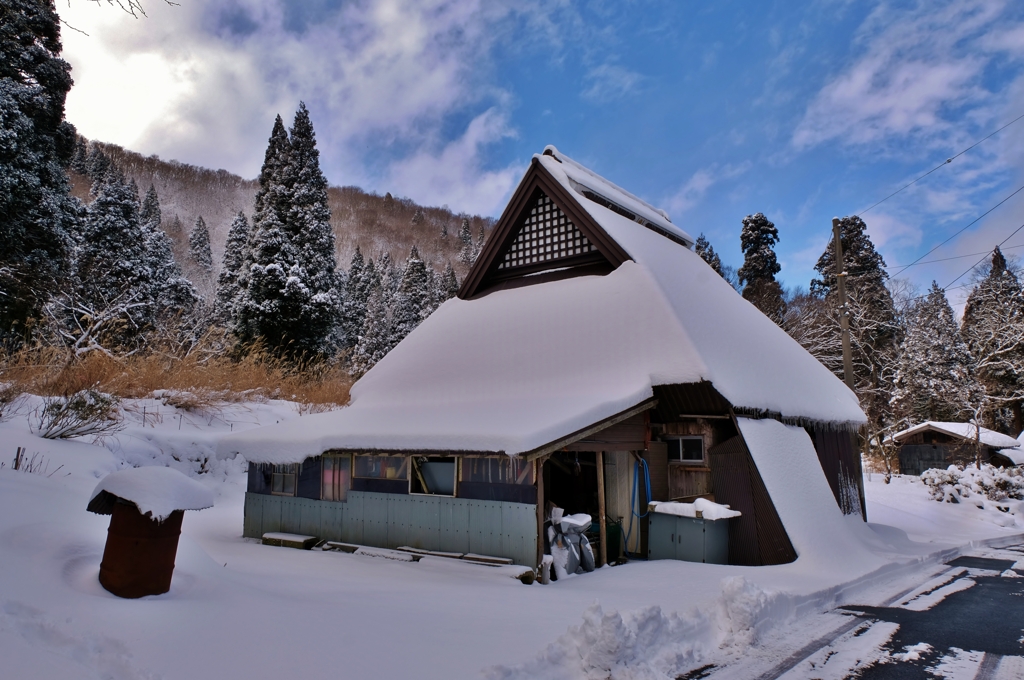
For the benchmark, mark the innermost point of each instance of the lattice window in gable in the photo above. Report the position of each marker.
(547, 235)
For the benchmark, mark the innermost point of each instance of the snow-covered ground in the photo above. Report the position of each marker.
(239, 609)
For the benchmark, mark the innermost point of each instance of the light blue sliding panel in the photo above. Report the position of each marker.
(485, 528)
(375, 519)
(426, 522)
(401, 509)
(519, 532)
(453, 521)
(352, 528)
(252, 523)
(291, 514)
(309, 516)
(271, 514)
(332, 516)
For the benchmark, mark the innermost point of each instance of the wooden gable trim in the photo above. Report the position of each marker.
(484, 271)
(563, 442)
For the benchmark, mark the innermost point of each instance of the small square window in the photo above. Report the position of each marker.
(282, 480)
(686, 450)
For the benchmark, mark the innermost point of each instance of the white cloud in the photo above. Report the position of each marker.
(202, 83)
(455, 175)
(693, 190)
(610, 81)
(911, 68)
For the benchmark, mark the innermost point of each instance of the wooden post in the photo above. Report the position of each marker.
(603, 552)
(540, 513)
(844, 314)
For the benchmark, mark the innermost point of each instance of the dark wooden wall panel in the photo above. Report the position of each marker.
(757, 537)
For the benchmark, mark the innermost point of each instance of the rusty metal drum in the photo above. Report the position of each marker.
(138, 559)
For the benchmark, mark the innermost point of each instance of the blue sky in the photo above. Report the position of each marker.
(709, 110)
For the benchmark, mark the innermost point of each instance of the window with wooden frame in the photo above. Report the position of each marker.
(546, 235)
(498, 470)
(337, 477)
(282, 480)
(370, 466)
(688, 450)
(433, 475)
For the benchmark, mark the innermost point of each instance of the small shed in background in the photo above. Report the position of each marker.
(938, 445)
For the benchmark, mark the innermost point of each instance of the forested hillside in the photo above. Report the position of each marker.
(376, 224)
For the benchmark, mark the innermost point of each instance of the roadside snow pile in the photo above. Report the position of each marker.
(650, 644)
(707, 509)
(997, 490)
(156, 490)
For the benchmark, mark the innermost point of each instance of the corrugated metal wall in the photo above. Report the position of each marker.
(840, 460)
(757, 537)
(390, 521)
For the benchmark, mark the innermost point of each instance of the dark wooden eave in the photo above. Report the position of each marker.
(484, 273)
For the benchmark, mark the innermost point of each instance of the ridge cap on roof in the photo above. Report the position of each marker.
(551, 150)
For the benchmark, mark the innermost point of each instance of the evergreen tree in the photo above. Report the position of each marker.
(80, 160)
(288, 299)
(875, 326)
(864, 265)
(935, 375)
(309, 223)
(174, 295)
(412, 300)
(708, 254)
(467, 254)
(235, 257)
(199, 247)
(447, 285)
(259, 313)
(356, 296)
(993, 328)
(37, 213)
(97, 165)
(758, 239)
(113, 265)
(376, 336)
(390, 278)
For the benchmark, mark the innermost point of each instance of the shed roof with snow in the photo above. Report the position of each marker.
(965, 431)
(584, 299)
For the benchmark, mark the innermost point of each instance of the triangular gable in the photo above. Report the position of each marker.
(542, 228)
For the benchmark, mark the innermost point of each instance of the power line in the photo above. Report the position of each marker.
(945, 162)
(962, 230)
(947, 259)
(986, 256)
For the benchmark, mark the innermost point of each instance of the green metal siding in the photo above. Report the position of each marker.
(392, 520)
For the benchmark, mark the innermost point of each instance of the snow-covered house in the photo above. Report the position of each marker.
(934, 444)
(589, 354)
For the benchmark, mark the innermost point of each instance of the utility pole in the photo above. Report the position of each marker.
(844, 312)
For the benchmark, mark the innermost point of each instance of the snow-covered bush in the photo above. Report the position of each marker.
(955, 484)
(87, 412)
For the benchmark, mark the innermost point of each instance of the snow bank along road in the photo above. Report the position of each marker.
(237, 609)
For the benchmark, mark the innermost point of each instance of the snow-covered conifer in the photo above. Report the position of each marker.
(235, 258)
(376, 337)
(707, 253)
(412, 299)
(37, 213)
(935, 377)
(993, 327)
(760, 265)
(113, 262)
(467, 254)
(447, 285)
(309, 224)
(199, 246)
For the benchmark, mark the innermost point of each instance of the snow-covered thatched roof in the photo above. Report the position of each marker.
(516, 369)
(965, 431)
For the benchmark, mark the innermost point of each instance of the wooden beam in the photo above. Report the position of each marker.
(587, 431)
(540, 517)
(603, 552)
(707, 417)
